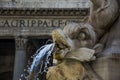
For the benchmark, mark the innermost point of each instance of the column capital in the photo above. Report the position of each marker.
(20, 42)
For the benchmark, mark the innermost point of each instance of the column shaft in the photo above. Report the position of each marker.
(20, 58)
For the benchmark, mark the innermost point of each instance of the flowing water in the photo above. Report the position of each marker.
(41, 61)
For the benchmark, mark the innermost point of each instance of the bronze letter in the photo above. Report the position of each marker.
(14, 23)
(45, 24)
(22, 23)
(6, 24)
(33, 22)
(39, 23)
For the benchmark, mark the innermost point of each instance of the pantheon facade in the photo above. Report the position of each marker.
(25, 25)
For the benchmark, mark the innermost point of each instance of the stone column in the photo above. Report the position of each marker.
(20, 57)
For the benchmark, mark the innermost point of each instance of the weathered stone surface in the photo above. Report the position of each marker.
(107, 68)
(45, 4)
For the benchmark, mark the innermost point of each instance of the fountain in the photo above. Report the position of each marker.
(65, 51)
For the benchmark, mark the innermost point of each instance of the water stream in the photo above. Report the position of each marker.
(42, 60)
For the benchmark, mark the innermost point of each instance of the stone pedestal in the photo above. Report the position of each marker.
(20, 57)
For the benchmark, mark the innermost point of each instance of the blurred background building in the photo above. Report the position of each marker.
(25, 25)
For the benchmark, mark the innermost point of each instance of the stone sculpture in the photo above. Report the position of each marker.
(100, 34)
